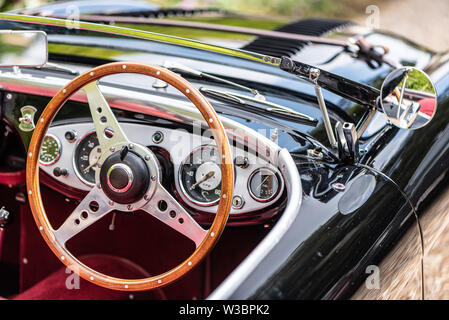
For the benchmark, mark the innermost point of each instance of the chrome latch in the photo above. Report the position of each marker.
(26, 122)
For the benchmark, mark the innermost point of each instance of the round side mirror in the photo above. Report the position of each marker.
(408, 98)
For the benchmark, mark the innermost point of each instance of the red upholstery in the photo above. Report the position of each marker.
(54, 286)
(427, 106)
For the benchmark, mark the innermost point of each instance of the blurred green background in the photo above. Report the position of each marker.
(274, 8)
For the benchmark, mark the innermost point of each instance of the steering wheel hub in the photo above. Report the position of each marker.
(120, 177)
(125, 180)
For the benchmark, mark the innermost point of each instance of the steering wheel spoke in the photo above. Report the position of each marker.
(106, 125)
(165, 208)
(92, 208)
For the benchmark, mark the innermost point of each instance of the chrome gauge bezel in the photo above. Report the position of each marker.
(274, 195)
(58, 142)
(181, 185)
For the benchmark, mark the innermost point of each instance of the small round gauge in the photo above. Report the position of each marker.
(86, 156)
(50, 150)
(263, 185)
(200, 176)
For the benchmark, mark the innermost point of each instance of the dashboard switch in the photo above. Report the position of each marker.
(60, 172)
(70, 136)
(238, 202)
(241, 162)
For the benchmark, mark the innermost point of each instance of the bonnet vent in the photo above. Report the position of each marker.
(280, 47)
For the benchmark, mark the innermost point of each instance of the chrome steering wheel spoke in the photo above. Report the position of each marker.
(108, 130)
(165, 208)
(92, 208)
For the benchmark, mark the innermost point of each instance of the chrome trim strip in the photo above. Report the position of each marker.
(80, 25)
(229, 286)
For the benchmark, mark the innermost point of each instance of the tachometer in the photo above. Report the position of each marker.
(50, 150)
(86, 157)
(200, 176)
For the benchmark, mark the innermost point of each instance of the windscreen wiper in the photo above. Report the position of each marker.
(178, 67)
(255, 105)
(59, 68)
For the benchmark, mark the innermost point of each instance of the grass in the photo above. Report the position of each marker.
(417, 80)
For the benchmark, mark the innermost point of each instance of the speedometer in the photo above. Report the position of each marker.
(200, 176)
(86, 157)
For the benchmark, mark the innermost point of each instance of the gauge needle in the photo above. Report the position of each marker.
(263, 181)
(93, 164)
(209, 175)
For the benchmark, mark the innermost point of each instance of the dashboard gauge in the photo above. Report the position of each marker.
(86, 156)
(263, 185)
(50, 150)
(200, 176)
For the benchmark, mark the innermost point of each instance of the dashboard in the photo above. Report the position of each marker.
(190, 164)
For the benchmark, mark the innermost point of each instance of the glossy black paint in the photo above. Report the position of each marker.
(325, 253)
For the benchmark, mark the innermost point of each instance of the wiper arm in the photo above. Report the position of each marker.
(270, 109)
(58, 67)
(178, 67)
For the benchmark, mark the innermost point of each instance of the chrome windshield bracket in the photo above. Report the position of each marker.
(348, 142)
(313, 76)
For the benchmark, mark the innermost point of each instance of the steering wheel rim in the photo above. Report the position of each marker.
(52, 237)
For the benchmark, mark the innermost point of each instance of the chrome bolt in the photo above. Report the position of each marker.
(147, 157)
(157, 137)
(112, 149)
(129, 207)
(337, 186)
(153, 178)
(131, 146)
(99, 165)
(146, 197)
(99, 186)
(9, 96)
(111, 203)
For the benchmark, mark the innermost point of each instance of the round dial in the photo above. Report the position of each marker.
(263, 185)
(200, 176)
(50, 150)
(86, 157)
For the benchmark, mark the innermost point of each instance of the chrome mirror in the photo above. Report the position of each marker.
(408, 98)
(23, 48)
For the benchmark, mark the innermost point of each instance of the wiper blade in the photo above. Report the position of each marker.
(253, 104)
(59, 68)
(178, 67)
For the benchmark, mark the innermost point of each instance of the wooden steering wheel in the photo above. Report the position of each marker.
(129, 178)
